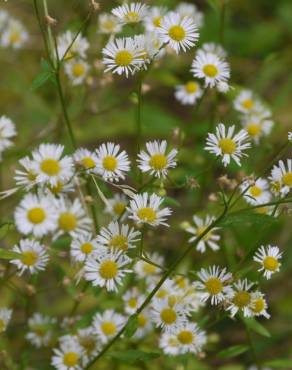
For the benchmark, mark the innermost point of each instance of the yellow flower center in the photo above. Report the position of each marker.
(29, 258)
(158, 161)
(132, 17)
(227, 146)
(31, 176)
(71, 359)
(39, 330)
(108, 328)
(119, 208)
(108, 269)
(270, 263)
(67, 221)
(157, 21)
(50, 166)
(276, 186)
(258, 305)
(200, 231)
(185, 337)
(148, 268)
(14, 37)
(172, 299)
(168, 316)
(36, 215)
(177, 33)
(147, 214)
(287, 179)
(262, 210)
(108, 25)
(255, 191)
(123, 58)
(86, 248)
(132, 302)
(210, 70)
(2, 326)
(141, 320)
(241, 299)
(56, 189)
(191, 87)
(214, 285)
(87, 162)
(253, 129)
(78, 69)
(109, 163)
(247, 104)
(181, 282)
(120, 242)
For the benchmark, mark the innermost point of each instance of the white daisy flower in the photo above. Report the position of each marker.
(152, 20)
(89, 343)
(76, 70)
(241, 298)
(84, 246)
(60, 188)
(189, 337)
(144, 324)
(246, 102)
(108, 324)
(130, 13)
(14, 35)
(123, 55)
(4, 19)
(227, 145)
(71, 218)
(290, 136)
(167, 289)
(214, 284)
(69, 355)
(155, 160)
(7, 131)
(108, 24)
(27, 176)
(211, 68)
(169, 343)
(116, 206)
(167, 316)
(188, 93)
(107, 269)
(78, 48)
(120, 237)
(257, 127)
(190, 10)
(223, 87)
(146, 270)
(213, 48)
(132, 300)
(268, 257)
(177, 32)
(256, 193)
(33, 257)
(145, 208)
(150, 45)
(35, 214)
(5, 317)
(210, 239)
(40, 331)
(258, 305)
(112, 164)
(85, 159)
(281, 177)
(50, 166)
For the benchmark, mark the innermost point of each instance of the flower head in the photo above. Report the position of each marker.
(76, 70)
(107, 324)
(5, 317)
(256, 193)
(68, 356)
(188, 93)
(109, 24)
(130, 13)
(84, 246)
(40, 331)
(281, 177)
(268, 257)
(241, 298)
(7, 131)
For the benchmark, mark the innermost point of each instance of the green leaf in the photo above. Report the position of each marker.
(247, 218)
(233, 351)
(280, 363)
(132, 326)
(168, 201)
(8, 255)
(257, 327)
(131, 356)
(46, 74)
(4, 229)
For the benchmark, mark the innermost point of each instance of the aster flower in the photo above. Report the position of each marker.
(256, 193)
(107, 269)
(89, 343)
(132, 300)
(281, 177)
(5, 317)
(130, 13)
(84, 246)
(214, 284)
(227, 145)
(85, 159)
(155, 160)
(144, 324)
(33, 256)
(40, 331)
(210, 239)
(268, 257)
(107, 324)
(67, 49)
(146, 270)
(256, 126)
(68, 356)
(247, 103)
(145, 208)
(190, 10)
(27, 176)
(120, 237)
(108, 24)
(213, 48)
(111, 162)
(179, 33)
(14, 35)
(258, 305)
(76, 70)
(211, 68)
(241, 298)
(153, 18)
(167, 316)
(7, 131)
(116, 206)
(188, 93)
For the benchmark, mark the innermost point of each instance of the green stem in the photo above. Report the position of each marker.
(77, 302)
(252, 348)
(50, 35)
(222, 22)
(138, 113)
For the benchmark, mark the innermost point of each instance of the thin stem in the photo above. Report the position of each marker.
(138, 113)
(92, 206)
(37, 12)
(77, 302)
(222, 22)
(253, 351)
(50, 35)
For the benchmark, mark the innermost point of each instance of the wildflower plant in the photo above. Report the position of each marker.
(133, 239)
